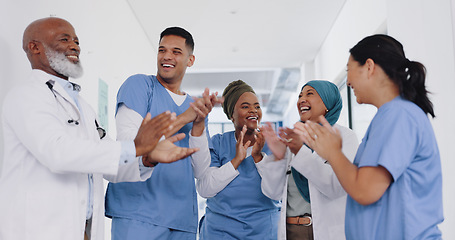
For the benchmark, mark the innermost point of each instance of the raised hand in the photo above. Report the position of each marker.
(196, 112)
(240, 149)
(292, 139)
(256, 152)
(151, 131)
(201, 108)
(166, 151)
(275, 144)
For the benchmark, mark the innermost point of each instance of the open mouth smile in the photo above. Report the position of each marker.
(167, 66)
(73, 58)
(304, 109)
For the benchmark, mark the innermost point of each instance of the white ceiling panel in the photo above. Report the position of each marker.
(244, 33)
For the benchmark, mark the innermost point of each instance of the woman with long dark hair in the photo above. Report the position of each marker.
(395, 182)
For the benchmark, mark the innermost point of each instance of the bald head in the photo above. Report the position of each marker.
(51, 36)
(40, 29)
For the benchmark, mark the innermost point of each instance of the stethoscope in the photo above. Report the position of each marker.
(71, 120)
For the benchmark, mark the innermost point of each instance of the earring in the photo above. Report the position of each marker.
(326, 111)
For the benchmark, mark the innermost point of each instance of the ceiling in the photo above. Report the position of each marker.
(263, 42)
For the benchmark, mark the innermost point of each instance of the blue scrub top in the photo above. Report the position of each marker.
(168, 197)
(400, 138)
(240, 210)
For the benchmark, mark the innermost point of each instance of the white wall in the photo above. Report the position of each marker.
(357, 19)
(426, 30)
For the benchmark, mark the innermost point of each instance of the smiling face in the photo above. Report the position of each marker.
(247, 111)
(310, 104)
(173, 59)
(53, 46)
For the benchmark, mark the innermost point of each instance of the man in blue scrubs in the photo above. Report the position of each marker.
(165, 206)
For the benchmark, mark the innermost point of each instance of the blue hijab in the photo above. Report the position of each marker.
(331, 98)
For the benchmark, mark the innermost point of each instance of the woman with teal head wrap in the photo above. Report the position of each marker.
(313, 199)
(330, 96)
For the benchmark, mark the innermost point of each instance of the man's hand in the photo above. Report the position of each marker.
(151, 131)
(202, 107)
(166, 152)
(205, 103)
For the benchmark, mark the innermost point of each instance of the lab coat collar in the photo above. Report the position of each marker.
(44, 77)
(66, 83)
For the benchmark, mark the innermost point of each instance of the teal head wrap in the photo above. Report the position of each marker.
(331, 97)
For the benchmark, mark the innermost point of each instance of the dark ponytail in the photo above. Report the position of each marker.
(409, 76)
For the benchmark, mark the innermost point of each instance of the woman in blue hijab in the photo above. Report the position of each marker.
(313, 201)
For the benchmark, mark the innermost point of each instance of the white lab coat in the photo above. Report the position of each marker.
(328, 198)
(44, 183)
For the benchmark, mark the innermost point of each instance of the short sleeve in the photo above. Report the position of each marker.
(391, 142)
(135, 93)
(214, 148)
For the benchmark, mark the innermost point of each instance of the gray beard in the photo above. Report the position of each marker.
(62, 65)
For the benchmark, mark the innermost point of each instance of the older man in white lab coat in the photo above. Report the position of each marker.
(51, 185)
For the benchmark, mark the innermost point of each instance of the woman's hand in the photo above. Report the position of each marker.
(256, 152)
(365, 185)
(325, 139)
(291, 138)
(275, 144)
(240, 149)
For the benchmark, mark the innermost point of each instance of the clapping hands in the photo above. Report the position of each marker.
(201, 108)
(325, 139)
(148, 145)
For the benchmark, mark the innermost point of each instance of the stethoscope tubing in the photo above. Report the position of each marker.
(71, 119)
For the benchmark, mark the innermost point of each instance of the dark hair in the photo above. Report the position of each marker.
(178, 31)
(409, 76)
